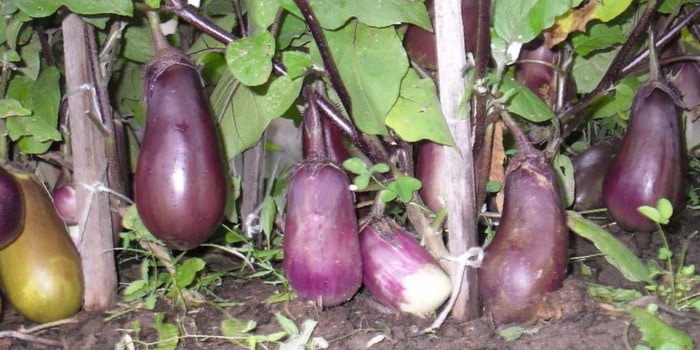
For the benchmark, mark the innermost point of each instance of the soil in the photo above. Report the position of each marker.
(583, 323)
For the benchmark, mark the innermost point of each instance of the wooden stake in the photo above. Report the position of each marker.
(96, 245)
(457, 168)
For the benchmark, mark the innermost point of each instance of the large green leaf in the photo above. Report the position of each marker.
(372, 62)
(375, 13)
(600, 36)
(43, 8)
(250, 58)
(524, 102)
(615, 252)
(617, 104)
(261, 13)
(520, 21)
(589, 71)
(244, 112)
(416, 115)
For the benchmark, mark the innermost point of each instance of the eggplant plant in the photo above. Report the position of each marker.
(11, 208)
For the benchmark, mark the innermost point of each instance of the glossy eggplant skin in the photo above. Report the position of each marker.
(11, 208)
(41, 270)
(590, 168)
(650, 164)
(321, 246)
(432, 192)
(420, 43)
(528, 255)
(180, 181)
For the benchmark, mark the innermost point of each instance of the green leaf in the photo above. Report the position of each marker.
(665, 209)
(599, 36)
(609, 294)
(384, 13)
(261, 13)
(671, 6)
(187, 271)
(616, 253)
(250, 58)
(43, 8)
(524, 102)
(656, 333)
(514, 333)
(609, 10)
(417, 115)
(134, 289)
(137, 44)
(244, 112)
(589, 71)
(361, 181)
(652, 214)
(379, 168)
(300, 340)
(355, 166)
(10, 107)
(287, 325)
(565, 171)
(617, 104)
(520, 21)
(404, 186)
(372, 62)
(234, 327)
(267, 215)
(168, 335)
(296, 62)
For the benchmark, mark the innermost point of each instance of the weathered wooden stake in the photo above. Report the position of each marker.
(96, 245)
(457, 163)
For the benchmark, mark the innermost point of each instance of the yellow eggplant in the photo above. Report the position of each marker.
(40, 271)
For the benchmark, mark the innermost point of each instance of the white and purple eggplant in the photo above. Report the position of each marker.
(398, 272)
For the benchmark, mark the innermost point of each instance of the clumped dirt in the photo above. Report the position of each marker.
(583, 324)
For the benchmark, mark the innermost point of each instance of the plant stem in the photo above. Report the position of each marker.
(571, 117)
(314, 144)
(326, 56)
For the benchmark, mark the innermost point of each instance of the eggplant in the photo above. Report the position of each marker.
(650, 164)
(321, 246)
(66, 203)
(537, 72)
(590, 168)
(528, 255)
(397, 270)
(180, 181)
(685, 77)
(40, 271)
(432, 192)
(420, 43)
(11, 208)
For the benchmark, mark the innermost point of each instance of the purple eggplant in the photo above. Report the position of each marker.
(321, 246)
(537, 71)
(590, 168)
(397, 270)
(432, 192)
(650, 164)
(685, 77)
(420, 43)
(528, 255)
(180, 181)
(64, 198)
(11, 208)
